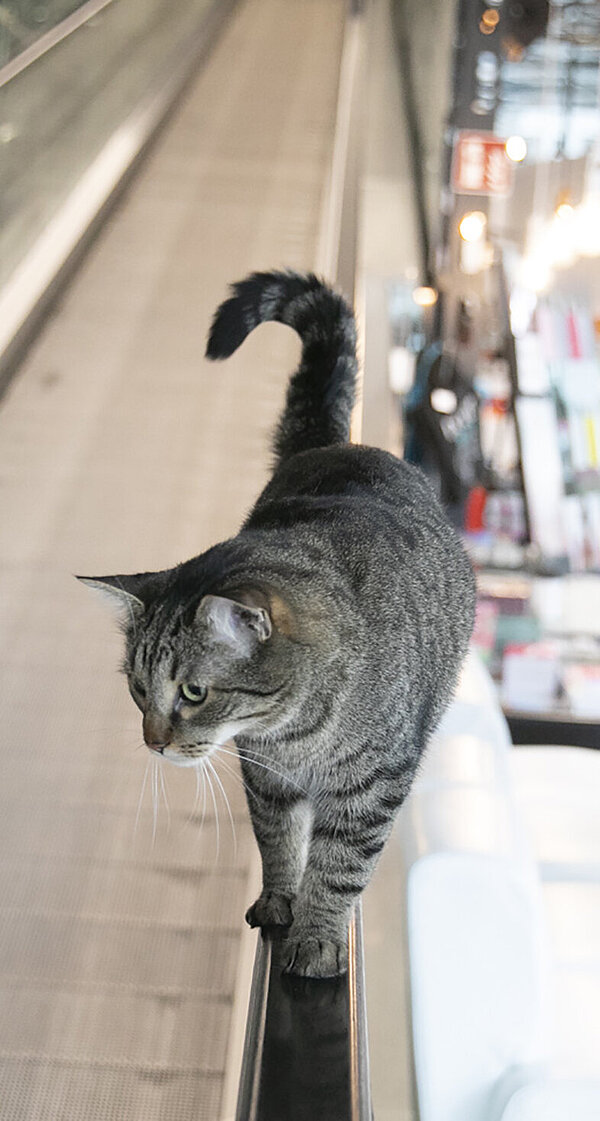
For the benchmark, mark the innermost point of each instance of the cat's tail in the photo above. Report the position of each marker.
(321, 393)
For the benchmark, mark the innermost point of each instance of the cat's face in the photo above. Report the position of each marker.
(198, 678)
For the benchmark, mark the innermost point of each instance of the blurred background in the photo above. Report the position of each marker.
(440, 162)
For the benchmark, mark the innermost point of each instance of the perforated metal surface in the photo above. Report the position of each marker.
(121, 450)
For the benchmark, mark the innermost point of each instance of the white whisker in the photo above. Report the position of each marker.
(163, 786)
(214, 802)
(141, 797)
(280, 774)
(238, 777)
(154, 799)
(227, 806)
(203, 799)
(257, 754)
(197, 795)
(196, 798)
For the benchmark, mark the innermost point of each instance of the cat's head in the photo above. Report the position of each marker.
(200, 671)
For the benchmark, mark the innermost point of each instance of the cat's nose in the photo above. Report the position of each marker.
(157, 732)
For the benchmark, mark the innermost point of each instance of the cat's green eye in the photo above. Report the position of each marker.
(194, 694)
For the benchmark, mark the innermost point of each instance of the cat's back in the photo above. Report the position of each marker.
(348, 485)
(367, 519)
(343, 470)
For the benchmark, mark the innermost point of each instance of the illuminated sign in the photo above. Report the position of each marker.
(481, 165)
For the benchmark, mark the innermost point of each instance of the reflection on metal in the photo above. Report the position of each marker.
(360, 1078)
(50, 39)
(306, 1052)
(336, 248)
(255, 1032)
(415, 137)
(336, 251)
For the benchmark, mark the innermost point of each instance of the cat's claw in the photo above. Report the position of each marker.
(316, 957)
(271, 909)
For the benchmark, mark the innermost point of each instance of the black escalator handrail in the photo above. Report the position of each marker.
(306, 1053)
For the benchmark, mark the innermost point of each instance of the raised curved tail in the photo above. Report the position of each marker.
(321, 393)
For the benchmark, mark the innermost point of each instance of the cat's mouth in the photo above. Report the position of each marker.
(188, 755)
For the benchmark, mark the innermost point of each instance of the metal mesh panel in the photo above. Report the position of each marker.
(34, 1088)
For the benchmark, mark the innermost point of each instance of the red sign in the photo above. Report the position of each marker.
(480, 165)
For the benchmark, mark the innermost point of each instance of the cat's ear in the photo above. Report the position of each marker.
(234, 623)
(125, 593)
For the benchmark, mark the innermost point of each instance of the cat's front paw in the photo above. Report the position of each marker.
(270, 909)
(315, 957)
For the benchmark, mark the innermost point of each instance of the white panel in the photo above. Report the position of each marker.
(477, 978)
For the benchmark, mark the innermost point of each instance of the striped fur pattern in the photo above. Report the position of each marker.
(326, 637)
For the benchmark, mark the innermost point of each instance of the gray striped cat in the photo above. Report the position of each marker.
(326, 637)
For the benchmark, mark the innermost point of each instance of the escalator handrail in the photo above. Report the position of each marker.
(292, 1027)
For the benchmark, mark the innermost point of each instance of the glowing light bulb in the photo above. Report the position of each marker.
(561, 241)
(472, 225)
(425, 296)
(516, 149)
(535, 274)
(587, 227)
(443, 400)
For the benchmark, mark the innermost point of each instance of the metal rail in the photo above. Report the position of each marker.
(37, 280)
(410, 99)
(51, 38)
(306, 1055)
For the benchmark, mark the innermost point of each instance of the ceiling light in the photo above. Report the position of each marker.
(443, 400)
(587, 227)
(535, 274)
(515, 148)
(472, 225)
(425, 296)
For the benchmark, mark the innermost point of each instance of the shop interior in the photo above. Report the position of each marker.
(496, 377)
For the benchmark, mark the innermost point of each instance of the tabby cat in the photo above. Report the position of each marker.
(326, 637)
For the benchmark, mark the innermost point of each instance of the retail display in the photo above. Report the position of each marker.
(558, 412)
